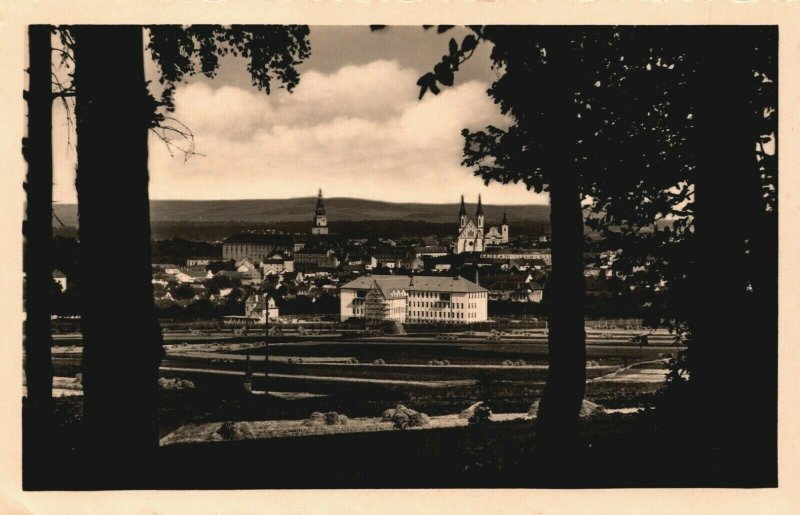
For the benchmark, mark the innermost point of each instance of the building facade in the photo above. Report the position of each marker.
(524, 254)
(255, 247)
(418, 299)
(473, 236)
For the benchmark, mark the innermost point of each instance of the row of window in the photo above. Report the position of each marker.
(429, 295)
(439, 314)
(428, 304)
(241, 248)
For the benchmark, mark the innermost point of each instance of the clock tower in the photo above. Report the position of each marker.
(320, 220)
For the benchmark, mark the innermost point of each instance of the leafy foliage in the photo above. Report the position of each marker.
(272, 53)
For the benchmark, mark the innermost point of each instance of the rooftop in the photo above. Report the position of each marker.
(420, 283)
(259, 239)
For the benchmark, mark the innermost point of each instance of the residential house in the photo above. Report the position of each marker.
(259, 306)
(61, 279)
(516, 291)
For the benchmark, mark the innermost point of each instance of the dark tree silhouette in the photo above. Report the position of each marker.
(736, 259)
(586, 106)
(114, 112)
(38, 232)
(121, 337)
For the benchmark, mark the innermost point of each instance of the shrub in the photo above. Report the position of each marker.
(520, 363)
(481, 416)
(353, 361)
(235, 431)
(290, 361)
(445, 363)
(331, 418)
(379, 361)
(174, 384)
(400, 420)
(402, 417)
(507, 363)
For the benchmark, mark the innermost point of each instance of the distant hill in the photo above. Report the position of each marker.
(302, 209)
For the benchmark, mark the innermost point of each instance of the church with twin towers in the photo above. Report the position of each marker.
(473, 235)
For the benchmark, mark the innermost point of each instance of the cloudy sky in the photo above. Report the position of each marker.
(353, 126)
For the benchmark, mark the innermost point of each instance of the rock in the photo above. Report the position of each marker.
(469, 411)
(403, 417)
(588, 409)
(334, 419)
(235, 431)
(417, 419)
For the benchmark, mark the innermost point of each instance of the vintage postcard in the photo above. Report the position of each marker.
(400, 257)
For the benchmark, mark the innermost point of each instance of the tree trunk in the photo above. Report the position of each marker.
(559, 408)
(38, 233)
(122, 344)
(558, 416)
(730, 359)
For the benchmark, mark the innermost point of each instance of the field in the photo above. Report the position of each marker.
(324, 376)
(205, 389)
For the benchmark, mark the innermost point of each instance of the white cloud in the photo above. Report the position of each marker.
(359, 132)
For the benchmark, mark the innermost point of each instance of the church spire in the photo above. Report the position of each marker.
(505, 220)
(463, 210)
(479, 212)
(320, 206)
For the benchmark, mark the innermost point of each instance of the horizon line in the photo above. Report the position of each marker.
(313, 197)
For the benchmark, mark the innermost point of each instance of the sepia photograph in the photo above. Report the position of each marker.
(287, 256)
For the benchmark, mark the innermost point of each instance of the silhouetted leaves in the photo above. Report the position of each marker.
(468, 44)
(272, 53)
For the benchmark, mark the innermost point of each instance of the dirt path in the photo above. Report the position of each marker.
(432, 384)
(191, 433)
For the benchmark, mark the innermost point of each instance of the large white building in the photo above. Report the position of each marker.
(473, 236)
(255, 247)
(418, 299)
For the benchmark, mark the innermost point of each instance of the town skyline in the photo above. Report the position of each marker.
(470, 199)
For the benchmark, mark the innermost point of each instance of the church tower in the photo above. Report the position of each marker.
(480, 242)
(504, 228)
(479, 213)
(320, 220)
(462, 215)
